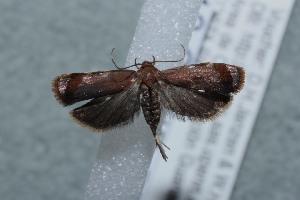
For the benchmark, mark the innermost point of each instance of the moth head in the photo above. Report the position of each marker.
(146, 64)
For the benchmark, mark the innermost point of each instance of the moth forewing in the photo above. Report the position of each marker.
(71, 88)
(218, 77)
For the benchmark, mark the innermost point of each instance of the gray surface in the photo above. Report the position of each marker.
(44, 155)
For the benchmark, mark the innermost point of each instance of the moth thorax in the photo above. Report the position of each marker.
(148, 75)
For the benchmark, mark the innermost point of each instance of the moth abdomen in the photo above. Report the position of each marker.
(150, 106)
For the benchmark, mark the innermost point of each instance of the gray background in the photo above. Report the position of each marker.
(45, 155)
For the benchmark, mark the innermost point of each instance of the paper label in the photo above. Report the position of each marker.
(205, 158)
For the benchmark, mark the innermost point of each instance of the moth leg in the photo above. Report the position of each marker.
(165, 145)
(159, 144)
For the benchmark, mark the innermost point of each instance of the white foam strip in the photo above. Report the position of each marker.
(125, 154)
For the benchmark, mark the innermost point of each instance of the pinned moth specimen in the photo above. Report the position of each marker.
(196, 92)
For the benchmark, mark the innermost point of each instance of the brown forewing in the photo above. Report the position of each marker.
(209, 77)
(75, 87)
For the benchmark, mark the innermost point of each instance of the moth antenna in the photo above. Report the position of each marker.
(112, 59)
(153, 59)
(175, 60)
(136, 64)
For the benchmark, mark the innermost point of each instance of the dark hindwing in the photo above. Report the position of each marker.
(105, 113)
(195, 106)
(200, 91)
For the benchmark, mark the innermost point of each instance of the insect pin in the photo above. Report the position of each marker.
(197, 92)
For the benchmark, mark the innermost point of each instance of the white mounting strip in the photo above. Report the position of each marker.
(125, 154)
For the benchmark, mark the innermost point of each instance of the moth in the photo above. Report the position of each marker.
(197, 92)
